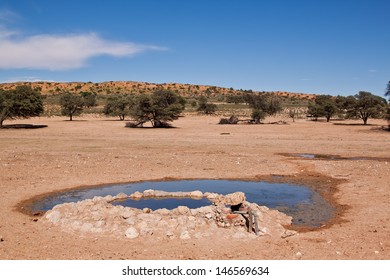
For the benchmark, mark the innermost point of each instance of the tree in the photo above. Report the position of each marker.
(258, 115)
(365, 105)
(89, 98)
(323, 106)
(22, 102)
(159, 108)
(119, 105)
(263, 105)
(205, 107)
(71, 104)
(388, 90)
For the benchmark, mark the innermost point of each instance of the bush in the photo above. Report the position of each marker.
(231, 120)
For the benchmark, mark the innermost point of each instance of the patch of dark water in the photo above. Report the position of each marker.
(306, 206)
(336, 157)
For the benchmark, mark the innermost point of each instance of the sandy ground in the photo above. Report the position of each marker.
(93, 151)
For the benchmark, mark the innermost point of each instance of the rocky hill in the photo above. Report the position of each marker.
(113, 87)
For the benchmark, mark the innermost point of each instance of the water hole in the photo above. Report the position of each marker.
(306, 206)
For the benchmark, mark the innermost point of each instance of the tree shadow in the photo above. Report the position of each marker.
(355, 124)
(23, 126)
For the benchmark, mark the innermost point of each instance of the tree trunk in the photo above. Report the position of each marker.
(70, 117)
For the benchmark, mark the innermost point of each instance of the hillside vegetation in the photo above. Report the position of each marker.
(122, 87)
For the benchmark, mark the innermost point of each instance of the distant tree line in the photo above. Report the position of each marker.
(163, 106)
(363, 105)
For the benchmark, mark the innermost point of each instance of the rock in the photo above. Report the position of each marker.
(288, 233)
(146, 210)
(131, 220)
(162, 211)
(86, 227)
(183, 210)
(161, 194)
(151, 219)
(97, 199)
(54, 216)
(209, 216)
(211, 196)
(234, 198)
(132, 233)
(185, 235)
(121, 196)
(162, 224)
(145, 229)
(299, 255)
(136, 195)
(197, 194)
(127, 213)
(108, 198)
(149, 193)
(1, 239)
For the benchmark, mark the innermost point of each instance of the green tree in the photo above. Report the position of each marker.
(119, 105)
(365, 105)
(388, 90)
(22, 102)
(159, 108)
(205, 107)
(89, 98)
(258, 115)
(323, 106)
(71, 104)
(263, 105)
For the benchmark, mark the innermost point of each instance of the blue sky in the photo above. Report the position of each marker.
(325, 47)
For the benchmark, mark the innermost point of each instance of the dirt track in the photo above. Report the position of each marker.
(95, 151)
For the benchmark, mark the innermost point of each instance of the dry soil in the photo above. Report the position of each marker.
(94, 150)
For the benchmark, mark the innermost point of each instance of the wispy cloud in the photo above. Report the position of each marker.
(60, 52)
(7, 15)
(24, 79)
(372, 71)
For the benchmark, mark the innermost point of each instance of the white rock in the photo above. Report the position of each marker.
(162, 211)
(131, 220)
(136, 195)
(149, 193)
(197, 194)
(181, 210)
(120, 196)
(54, 216)
(132, 233)
(86, 227)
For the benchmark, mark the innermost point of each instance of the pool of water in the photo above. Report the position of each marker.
(303, 204)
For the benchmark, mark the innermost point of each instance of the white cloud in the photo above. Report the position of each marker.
(60, 52)
(372, 71)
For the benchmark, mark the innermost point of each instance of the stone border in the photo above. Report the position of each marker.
(98, 216)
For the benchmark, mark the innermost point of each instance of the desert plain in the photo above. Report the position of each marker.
(95, 150)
